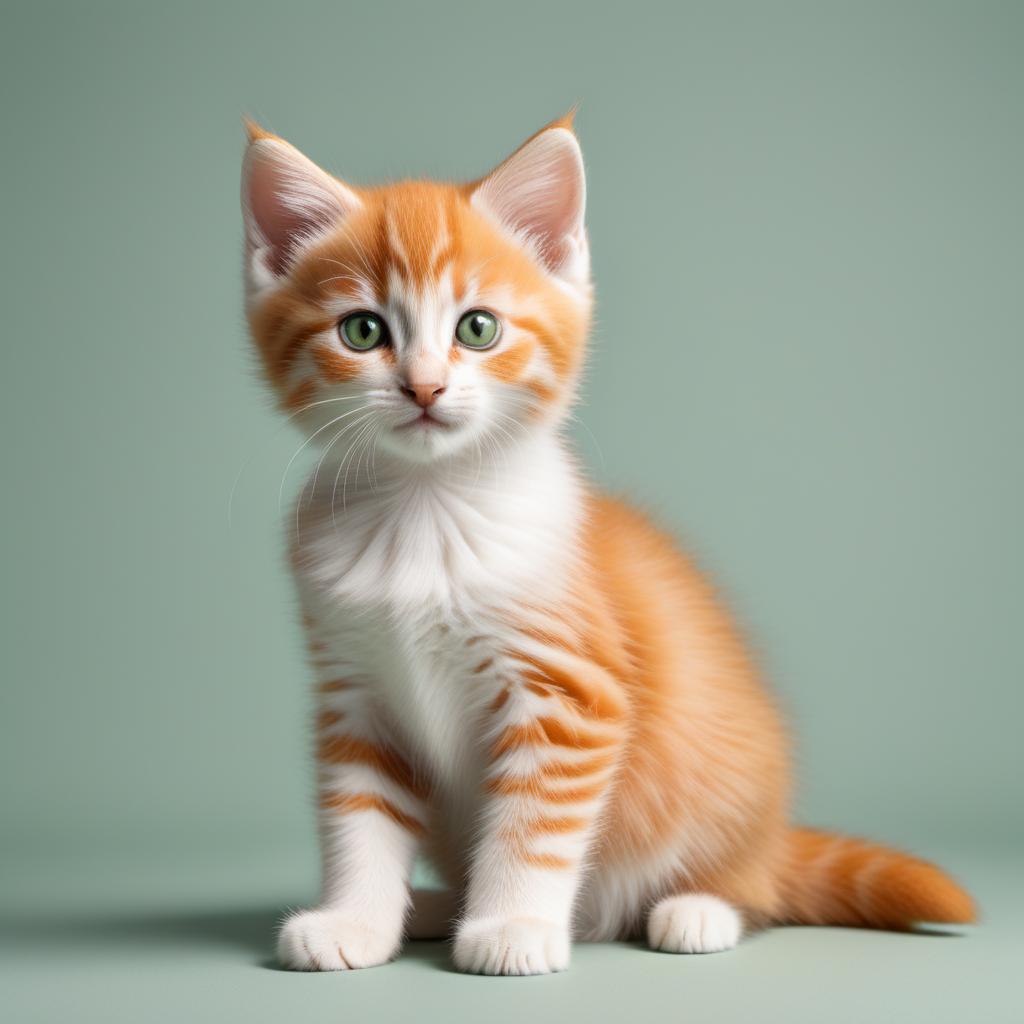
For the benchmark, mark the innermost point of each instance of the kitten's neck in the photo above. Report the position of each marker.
(472, 472)
(454, 531)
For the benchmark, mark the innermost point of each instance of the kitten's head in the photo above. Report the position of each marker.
(429, 315)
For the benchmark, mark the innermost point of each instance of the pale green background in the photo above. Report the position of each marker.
(808, 236)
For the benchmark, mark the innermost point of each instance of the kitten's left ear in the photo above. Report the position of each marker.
(287, 202)
(540, 193)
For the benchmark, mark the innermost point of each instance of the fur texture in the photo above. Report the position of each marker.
(519, 677)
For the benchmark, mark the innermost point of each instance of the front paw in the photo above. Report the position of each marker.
(514, 945)
(332, 940)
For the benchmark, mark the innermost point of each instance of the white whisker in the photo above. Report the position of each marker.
(327, 448)
(337, 476)
(302, 448)
(277, 430)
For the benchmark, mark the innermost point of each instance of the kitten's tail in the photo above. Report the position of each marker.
(833, 879)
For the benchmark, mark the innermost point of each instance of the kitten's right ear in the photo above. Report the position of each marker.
(287, 202)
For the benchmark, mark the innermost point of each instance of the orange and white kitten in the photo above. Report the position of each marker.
(517, 676)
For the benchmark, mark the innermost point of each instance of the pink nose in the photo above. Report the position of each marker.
(423, 394)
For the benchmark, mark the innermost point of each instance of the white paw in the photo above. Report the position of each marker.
(516, 945)
(693, 924)
(331, 940)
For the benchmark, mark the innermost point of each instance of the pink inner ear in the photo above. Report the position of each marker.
(289, 200)
(279, 224)
(541, 191)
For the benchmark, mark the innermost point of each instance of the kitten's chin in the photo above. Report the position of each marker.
(423, 442)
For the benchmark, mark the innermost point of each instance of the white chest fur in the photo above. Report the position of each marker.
(413, 581)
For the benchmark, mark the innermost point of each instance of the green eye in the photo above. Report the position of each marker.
(363, 331)
(477, 329)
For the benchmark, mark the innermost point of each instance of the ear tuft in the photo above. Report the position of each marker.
(287, 203)
(539, 194)
(567, 119)
(253, 131)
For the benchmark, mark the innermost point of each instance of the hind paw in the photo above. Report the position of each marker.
(693, 923)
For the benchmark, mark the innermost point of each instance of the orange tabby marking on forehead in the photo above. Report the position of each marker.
(418, 230)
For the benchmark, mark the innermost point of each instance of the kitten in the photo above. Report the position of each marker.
(518, 676)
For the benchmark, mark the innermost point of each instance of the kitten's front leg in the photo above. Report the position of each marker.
(372, 812)
(558, 730)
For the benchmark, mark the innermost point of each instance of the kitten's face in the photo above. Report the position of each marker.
(420, 318)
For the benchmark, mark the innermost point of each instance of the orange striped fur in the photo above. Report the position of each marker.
(344, 803)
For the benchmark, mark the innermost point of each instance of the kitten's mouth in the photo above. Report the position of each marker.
(424, 421)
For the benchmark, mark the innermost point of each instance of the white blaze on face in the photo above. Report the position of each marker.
(422, 317)
(423, 328)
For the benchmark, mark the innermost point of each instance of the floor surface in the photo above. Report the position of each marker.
(169, 941)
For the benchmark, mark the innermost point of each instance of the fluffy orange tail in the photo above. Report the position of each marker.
(831, 879)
